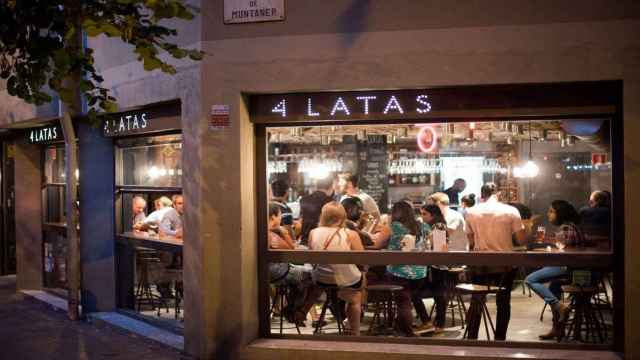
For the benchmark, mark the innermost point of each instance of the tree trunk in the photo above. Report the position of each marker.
(73, 238)
(73, 110)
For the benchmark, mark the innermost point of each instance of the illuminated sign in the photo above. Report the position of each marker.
(45, 134)
(125, 123)
(357, 105)
(436, 104)
(427, 139)
(153, 118)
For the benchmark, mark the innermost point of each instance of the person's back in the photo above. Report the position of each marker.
(596, 220)
(333, 239)
(456, 224)
(492, 224)
(310, 209)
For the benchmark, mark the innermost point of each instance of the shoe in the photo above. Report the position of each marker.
(552, 334)
(426, 327)
(563, 313)
(438, 330)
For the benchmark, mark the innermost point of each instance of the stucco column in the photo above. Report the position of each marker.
(97, 224)
(28, 185)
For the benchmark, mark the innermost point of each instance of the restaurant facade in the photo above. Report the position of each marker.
(409, 102)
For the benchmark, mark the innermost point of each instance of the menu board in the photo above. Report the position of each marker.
(372, 168)
(349, 156)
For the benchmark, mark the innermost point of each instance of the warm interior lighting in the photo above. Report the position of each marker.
(530, 169)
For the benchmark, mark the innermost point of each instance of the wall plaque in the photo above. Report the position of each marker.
(248, 11)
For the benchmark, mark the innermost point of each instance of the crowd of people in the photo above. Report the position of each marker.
(339, 216)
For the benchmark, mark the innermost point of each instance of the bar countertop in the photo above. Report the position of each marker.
(532, 258)
(163, 243)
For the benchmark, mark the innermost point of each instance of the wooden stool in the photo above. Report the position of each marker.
(582, 315)
(453, 296)
(382, 296)
(478, 298)
(332, 302)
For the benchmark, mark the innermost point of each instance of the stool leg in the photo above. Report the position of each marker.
(338, 309)
(486, 316)
(281, 295)
(321, 318)
(462, 310)
(542, 312)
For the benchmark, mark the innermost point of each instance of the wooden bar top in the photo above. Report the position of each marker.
(530, 258)
(141, 238)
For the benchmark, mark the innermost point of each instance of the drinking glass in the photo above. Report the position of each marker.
(560, 245)
(540, 233)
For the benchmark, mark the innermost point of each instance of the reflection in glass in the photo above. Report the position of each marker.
(153, 161)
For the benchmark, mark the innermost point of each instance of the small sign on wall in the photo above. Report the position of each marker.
(219, 118)
(248, 11)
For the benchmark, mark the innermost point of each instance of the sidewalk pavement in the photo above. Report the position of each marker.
(33, 330)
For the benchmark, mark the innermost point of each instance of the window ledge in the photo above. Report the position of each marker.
(338, 350)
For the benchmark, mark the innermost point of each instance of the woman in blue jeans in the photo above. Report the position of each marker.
(565, 216)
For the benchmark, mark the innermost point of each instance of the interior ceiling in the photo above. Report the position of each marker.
(497, 132)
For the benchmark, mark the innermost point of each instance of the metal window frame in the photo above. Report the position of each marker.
(614, 259)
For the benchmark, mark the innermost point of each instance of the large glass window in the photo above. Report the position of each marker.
(150, 162)
(490, 204)
(149, 216)
(54, 218)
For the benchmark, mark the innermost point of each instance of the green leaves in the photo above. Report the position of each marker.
(39, 53)
(96, 26)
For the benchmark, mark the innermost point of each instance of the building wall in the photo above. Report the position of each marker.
(319, 47)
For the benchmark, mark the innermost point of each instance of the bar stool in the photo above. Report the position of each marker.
(382, 297)
(143, 293)
(333, 303)
(281, 293)
(453, 295)
(478, 304)
(582, 315)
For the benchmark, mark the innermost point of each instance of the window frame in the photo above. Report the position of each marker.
(542, 110)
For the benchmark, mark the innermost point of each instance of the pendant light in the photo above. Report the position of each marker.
(530, 169)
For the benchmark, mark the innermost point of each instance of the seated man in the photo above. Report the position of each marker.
(171, 224)
(152, 222)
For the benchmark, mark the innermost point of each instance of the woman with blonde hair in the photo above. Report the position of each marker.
(332, 235)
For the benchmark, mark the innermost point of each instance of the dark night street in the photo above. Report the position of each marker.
(32, 330)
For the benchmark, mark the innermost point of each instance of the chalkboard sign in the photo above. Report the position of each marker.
(372, 168)
(349, 154)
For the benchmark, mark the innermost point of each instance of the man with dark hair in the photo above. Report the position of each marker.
(454, 191)
(490, 227)
(279, 195)
(348, 184)
(311, 206)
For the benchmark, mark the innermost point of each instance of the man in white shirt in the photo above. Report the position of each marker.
(151, 222)
(490, 227)
(456, 225)
(348, 184)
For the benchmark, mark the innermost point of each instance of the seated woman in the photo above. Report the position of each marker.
(433, 219)
(564, 215)
(404, 228)
(296, 277)
(378, 234)
(332, 235)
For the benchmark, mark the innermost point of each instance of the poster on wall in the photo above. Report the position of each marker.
(249, 11)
